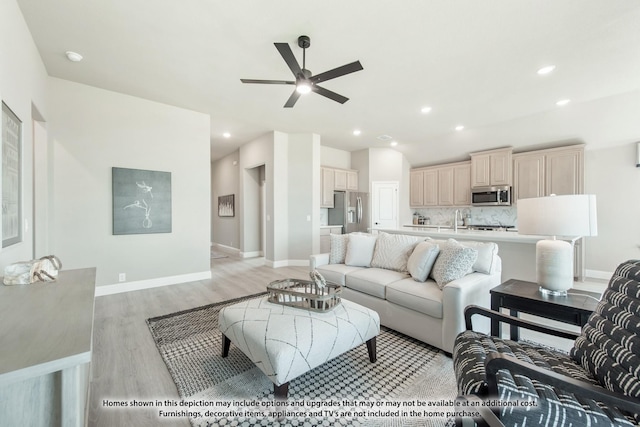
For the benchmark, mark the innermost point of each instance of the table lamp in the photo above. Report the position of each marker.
(571, 216)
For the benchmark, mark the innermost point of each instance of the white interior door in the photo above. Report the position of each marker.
(384, 204)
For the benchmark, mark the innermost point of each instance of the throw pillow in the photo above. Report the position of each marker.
(421, 260)
(453, 262)
(392, 251)
(338, 251)
(360, 249)
(486, 253)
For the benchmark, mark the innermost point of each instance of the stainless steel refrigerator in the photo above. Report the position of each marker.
(350, 210)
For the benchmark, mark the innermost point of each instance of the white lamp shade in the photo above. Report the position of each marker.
(571, 215)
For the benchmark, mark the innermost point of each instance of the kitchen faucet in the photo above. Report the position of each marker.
(455, 220)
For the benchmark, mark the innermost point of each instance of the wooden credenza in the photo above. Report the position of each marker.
(46, 332)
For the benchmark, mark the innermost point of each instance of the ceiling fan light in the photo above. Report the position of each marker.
(303, 87)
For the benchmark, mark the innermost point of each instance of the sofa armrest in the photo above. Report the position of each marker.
(317, 260)
(457, 295)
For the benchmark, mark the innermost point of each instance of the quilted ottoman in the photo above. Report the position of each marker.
(285, 342)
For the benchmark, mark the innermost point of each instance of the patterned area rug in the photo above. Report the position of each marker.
(411, 383)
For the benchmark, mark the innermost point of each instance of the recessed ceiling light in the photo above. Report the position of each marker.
(226, 135)
(357, 132)
(73, 56)
(546, 70)
(459, 128)
(563, 102)
(393, 143)
(425, 110)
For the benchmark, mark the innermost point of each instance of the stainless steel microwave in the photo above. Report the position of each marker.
(491, 196)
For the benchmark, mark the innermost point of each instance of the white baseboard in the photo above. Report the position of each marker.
(151, 283)
(253, 254)
(226, 249)
(597, 274)
(287, 263)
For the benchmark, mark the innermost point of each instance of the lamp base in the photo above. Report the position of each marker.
(554, 266)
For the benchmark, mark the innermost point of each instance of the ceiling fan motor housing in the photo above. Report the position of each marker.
(304, 42)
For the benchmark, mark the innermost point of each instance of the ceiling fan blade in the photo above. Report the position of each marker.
(288, 57)
(292, 99)
(337, 72)
(268, 82)
(329, 94)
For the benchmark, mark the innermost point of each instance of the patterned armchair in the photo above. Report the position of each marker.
(597, 383)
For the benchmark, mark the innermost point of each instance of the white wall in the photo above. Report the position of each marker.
(335, 158)
(612, 175)
(92, 130)
(225, 180)
(23, 80)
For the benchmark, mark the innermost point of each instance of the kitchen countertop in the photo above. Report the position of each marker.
(465, 234)
(330, 226)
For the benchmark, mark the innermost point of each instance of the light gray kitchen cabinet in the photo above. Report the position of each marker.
(551, 171)
(340, 179)
(352, 180)
(327, 184)
(492, 167)
(416, 188)
(443, 185)
(462, 184)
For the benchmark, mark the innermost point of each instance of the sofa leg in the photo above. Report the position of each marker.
(281, 392)
(226, 342)
(371, 349)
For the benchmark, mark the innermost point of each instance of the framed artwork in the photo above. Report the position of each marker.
(226, 206)
(11, 177)
(141, 201)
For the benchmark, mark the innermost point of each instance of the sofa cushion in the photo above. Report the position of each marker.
(454, 261)
(422, 259)
(360, 249)
(338, 250)
(373, 281)
(336, 272)
(392, 251)
(422, 297)
(486, 255)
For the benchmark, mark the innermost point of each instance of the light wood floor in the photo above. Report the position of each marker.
(126, 364)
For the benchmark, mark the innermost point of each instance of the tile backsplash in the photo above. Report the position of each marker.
(485, 215)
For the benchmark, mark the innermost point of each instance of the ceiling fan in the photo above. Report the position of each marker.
(306, 82)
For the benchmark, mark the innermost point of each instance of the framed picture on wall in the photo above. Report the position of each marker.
(11, 177)
(141, 201)
(226, 205)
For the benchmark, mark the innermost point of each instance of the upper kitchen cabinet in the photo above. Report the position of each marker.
(445, 185)
(462, 184)
(345, 180)
(340, 179)
(491, 167)
(551, 171)
(332, 179)
(327, 184)
(416, 188)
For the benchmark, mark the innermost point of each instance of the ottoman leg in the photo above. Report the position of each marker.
(226, 342)
(371, 348)
(281, 392)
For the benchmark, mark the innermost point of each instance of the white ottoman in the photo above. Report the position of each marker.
(285, 342)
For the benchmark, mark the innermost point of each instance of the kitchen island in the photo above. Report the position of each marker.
(517, 251)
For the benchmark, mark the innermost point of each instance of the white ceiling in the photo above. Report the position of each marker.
(474, 62)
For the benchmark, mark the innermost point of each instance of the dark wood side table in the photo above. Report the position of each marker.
(521, 296)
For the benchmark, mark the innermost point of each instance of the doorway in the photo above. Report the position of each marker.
(40, 231)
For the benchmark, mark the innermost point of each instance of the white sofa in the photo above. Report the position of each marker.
(429, 311)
